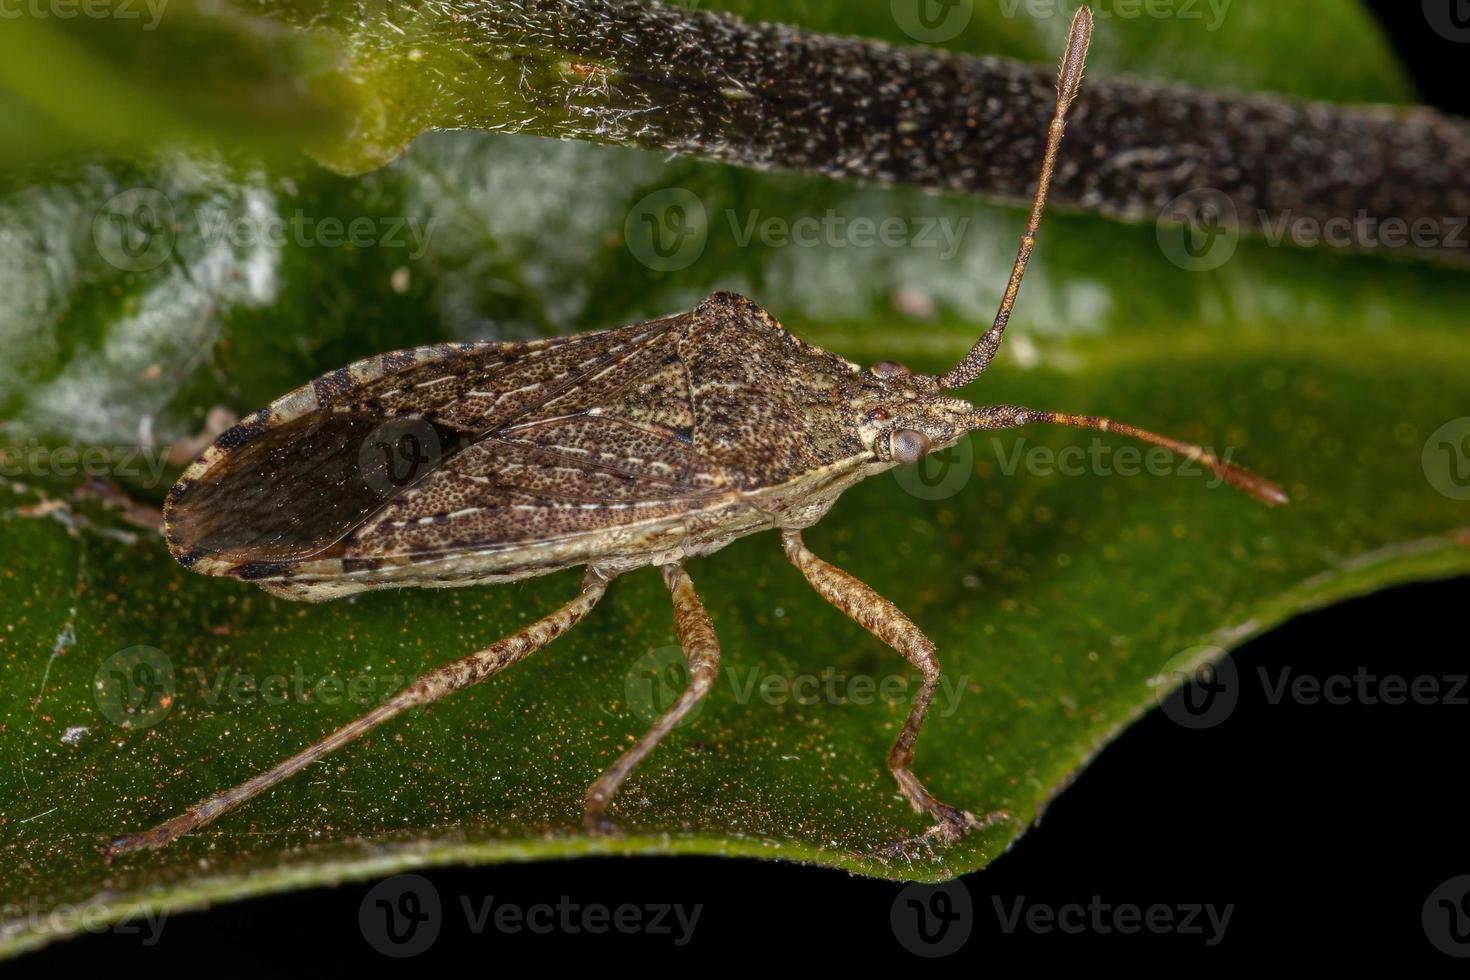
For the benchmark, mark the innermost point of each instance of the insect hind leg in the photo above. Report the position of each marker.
(888, 623)
(702, 650)
(432, 686)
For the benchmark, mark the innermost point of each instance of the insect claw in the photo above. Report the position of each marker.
(601, 825)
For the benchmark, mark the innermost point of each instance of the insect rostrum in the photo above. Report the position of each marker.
(470, 464)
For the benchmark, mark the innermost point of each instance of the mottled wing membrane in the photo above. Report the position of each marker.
(476, 449)
(293, 481)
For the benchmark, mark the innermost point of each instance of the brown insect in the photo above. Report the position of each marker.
(471, 464)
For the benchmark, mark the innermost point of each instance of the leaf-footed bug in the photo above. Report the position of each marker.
(469, 464)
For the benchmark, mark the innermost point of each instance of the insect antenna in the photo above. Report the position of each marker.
(1069, 78)
(1008, 417)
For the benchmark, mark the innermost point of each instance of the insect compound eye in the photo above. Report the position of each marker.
(909, 445)
(888, 370)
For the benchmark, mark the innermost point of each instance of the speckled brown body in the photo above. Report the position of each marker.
(638, 446)
(645, 445)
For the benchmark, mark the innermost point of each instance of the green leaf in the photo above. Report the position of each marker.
(127, 75)
(1065, 600)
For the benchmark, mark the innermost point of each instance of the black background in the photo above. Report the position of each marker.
(1325, 826)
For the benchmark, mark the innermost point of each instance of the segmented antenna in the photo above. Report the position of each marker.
(1069, 79)
(1242, 479)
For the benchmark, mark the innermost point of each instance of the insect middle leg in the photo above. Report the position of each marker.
(885, 621)
(702, 649)
(432, 686)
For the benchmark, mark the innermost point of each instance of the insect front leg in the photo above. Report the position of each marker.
(702, 649)
(430, 687)
(885, 621)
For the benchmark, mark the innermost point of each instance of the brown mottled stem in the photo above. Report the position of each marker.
(713, 86)
(1010, 416)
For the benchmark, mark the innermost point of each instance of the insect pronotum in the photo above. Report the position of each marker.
(468, 464)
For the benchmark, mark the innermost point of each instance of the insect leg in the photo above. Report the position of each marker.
(885, 621)
(430, 687)
(702, 648)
